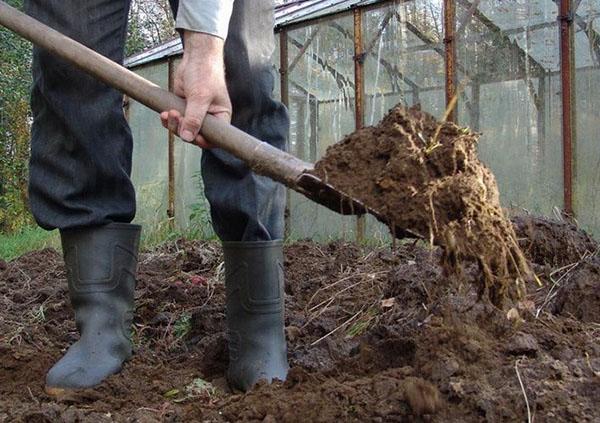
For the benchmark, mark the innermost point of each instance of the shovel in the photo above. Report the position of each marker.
(261, 157)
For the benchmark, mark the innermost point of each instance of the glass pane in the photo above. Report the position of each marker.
(508, 62)
(150, 139)
(321, 90)
(519, 14)
(587, 149)
(404, 61)
(276, 67)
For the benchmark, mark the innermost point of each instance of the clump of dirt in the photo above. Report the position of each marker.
(567, 257)
(550, 242)
(578, 294)
(374, 334)
(425, 176)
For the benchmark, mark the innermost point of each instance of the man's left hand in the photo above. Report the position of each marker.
(200, 79)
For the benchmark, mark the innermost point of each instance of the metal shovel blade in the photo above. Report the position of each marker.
(315, 189)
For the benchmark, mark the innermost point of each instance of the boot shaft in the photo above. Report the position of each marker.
(95, 257)
(254, 276)
(101, 264)
(255, 312)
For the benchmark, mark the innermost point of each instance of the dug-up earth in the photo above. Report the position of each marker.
(374, 335)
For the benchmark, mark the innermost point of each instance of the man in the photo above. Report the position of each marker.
(81, 162)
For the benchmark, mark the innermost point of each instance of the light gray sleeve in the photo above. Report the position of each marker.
(208, 16)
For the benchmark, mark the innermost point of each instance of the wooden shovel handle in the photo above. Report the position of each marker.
(261, 157)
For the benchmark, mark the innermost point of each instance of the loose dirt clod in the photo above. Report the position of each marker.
(425, 176)
(422, 396)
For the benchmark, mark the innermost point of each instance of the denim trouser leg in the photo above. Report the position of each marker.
(81, 144)
(244, 206)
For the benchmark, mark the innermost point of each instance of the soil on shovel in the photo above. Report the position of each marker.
(375, 334)
(425, 176)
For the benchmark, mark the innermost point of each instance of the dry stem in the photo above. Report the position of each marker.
(529, 419)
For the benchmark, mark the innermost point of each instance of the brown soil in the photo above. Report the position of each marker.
(550, 242)
(425, 176)
(567, 256)
(374, 335)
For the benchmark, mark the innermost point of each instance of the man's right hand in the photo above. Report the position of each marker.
(200, 79)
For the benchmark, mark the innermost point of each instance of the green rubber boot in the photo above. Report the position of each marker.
(255, 322)
(101, 264)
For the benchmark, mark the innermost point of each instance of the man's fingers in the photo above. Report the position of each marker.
(220, 113)
(224, 115)
(174, 120)
(191, 123)
(164, 119)
(201, 142)
(171, 120)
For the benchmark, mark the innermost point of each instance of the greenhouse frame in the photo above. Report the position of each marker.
(522, 73)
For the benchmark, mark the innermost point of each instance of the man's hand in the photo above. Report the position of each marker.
(200, 79)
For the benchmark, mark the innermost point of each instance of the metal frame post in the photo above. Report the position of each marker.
(285, 99)
(359, 90)
(566, 18)
(171, 154)
(283, 67)
(450, 56)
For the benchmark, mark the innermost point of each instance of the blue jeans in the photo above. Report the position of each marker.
(81, 144)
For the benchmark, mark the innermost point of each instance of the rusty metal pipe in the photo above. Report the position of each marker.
(565, 17)
(171, 150)
(359, 89)
(285, 99)
(450, 56)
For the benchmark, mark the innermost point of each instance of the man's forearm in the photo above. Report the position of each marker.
(204, 45)
(207, 16)
(200, 77)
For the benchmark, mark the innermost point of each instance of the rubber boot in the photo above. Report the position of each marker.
(101, 264)
(255, 321)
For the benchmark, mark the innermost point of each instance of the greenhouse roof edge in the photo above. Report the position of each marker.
(285, 14)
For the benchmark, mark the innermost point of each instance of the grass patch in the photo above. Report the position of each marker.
(35, 238)
(155, 235)
(28, 239)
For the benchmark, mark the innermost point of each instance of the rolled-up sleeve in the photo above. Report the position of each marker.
(208, 16)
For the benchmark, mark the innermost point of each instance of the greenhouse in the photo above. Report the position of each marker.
(522, 73)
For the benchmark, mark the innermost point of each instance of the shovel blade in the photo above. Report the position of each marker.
(321, 192)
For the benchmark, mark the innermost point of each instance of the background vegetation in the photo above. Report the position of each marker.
(150, 24)
(15, 82)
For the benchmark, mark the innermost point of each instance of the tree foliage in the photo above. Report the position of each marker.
(150, 23)
(15, 118)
